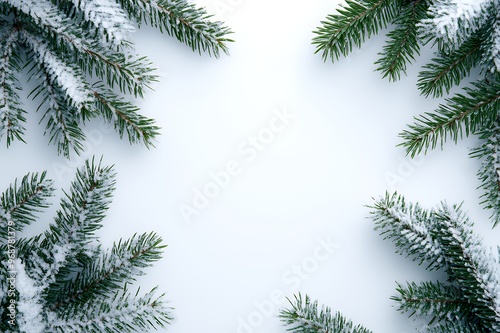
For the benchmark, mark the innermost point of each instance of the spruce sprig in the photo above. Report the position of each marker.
(65, 282)
(83, 64)
(304, 316)
(471, 295)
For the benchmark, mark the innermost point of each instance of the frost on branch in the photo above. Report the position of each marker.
(64, 280)
(81, 59)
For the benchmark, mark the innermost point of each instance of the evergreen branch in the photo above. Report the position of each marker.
(450, 21)
(65, 284)
(129, 73)
(62, 119)
(462, 115)
(20, 203)
(11, 114)
(304, 317)
(83, 208)
(470, 265)
(450, 67)
(183, 20)
(489, 172)
(358, 20)
(494, 41)
(410, 228)
(107, 18)
(126, 118)
(402, 45)
(440, 302)
(68, 78)
(105, 275)
(121, 314)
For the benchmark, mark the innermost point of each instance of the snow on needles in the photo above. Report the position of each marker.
(66, 77)
(449, 17)
(108, 16)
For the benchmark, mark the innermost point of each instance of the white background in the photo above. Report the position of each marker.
(229, 268)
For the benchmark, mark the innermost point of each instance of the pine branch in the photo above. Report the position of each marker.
(489, 172)
(470, 265)
(11, 113)
(182, 20)
(125, 117)
(64, 281)
(462, 115)
(402, 44)
(450, 67)
(108, 273)
(410, 228)
(471, 297)
(304, 317)
(451, 21)
(106, 18)
(120, 315)
(83, 208)
(440, 302)
(76, 45)
(358, 20)
(20, 203)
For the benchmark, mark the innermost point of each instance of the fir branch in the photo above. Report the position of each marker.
(11, 113)
(493, 51)
(462, 115)
(106, 17)
(62, 118)
(410, 228)
(451, 21)
(358, 20)
(402, 44)
(450, 67)
(489, 172)
(106, 274)
(440, 302)
(120, 314)
(66, 284)
(83, 208)
(20, 202)
(305, 317)
(470, 265)
(125, 117)
(184, 21)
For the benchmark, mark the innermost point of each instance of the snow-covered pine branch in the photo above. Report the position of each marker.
(471, 265)
(77, 44)
(489, 172)
(410, 227)
(304, 316)
(11, 114)
(108, 18)
(65, 282)
(182, 20)
(453, 20)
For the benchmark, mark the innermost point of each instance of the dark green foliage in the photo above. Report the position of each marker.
(350, 27)
(305, 317)
(465, 40)
(468, 301)
(64, 281)
(83, 68)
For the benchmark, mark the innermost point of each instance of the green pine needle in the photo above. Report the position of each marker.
(65, 282)
(461, 116)
(305, 317)
(352, 24)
